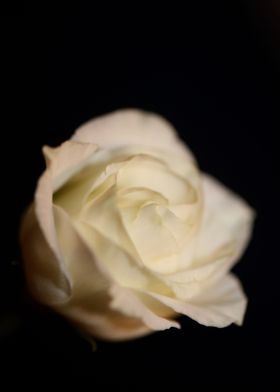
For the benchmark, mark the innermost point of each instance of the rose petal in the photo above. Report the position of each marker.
(81, 263)
(125, 301)
(225, 232)
(190, 281)
(118, 262)
(64, 161)
(152, 240)
(146, 172)
(45, 266)
(131, 127)
(219, 305)
(104, 304)
(227, 223)
(67, 159)
(111, 326)
(102, 214)
(89, 304)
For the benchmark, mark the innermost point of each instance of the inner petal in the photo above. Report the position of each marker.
(137, 197)
(146, 172)
(151, 238)
(101, 213)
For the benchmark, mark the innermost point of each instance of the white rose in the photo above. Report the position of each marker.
(125, 232)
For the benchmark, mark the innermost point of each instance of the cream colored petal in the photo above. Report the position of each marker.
(45, 271)
(226, 225)
(86, 270)
(137, 197)
(119, 263)
(131, 127)
(183, 165)
(98, 304)
(45, 266)
(44, 212)
(219, 305)
(67, 159)
(71, 196)
(116, 259)
(43, 209)
(151, 239)
(225, 231)
(181, 230)
(190, 281)
(111, 326)
(89, 306)
(125, 301)
(101, 213)
(75, 192)
(105, 180)
(146, 172)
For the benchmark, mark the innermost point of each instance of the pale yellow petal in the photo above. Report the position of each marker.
(45, 271)
(89, 306)
(119, 264)
(151, 239)
(44, 262)
(218, 305)
(97, 301)
(186, 283)
(67, 159)
(225, 231)
(101, 213)
(131, 127)
(226, 225)
(125, 301)
(146, 172)
(85, 269)
(64, 162)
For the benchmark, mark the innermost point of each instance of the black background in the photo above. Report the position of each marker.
(214, 74)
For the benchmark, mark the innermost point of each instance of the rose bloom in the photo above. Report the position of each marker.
(125, 233)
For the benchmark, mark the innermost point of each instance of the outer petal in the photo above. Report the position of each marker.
(225, 232)
(128, 303)
(219, 305)
(142, 171)
(131, 127)
(108, 326)
(63, 162)
(226, 225)
(47, 274)
(98, 304)
(89, 305)
(67, 159)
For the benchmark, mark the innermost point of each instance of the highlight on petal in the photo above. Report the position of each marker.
(127, 302)
(141, 171)
(225, 232)
(218, 305)
(226, 224)
(131, 127)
